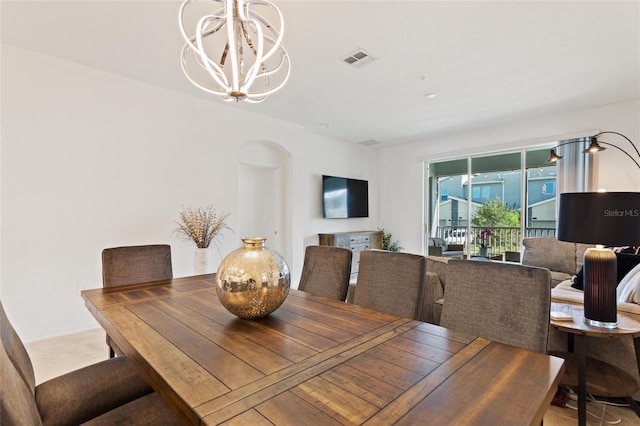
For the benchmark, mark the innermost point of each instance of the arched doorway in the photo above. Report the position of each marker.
(262, 188)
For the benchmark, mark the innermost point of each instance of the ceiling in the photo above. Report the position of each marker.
(488, 63)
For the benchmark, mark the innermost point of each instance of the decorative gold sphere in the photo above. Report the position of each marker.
(252, 281)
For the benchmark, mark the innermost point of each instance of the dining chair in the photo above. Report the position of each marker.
(391, 282)
(509, 304)
(134, 264)
(326, 271)
(107, 393)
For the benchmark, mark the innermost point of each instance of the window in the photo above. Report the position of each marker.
(486, 192)
(512, 194)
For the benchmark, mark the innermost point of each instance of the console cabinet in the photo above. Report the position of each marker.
(356, 241)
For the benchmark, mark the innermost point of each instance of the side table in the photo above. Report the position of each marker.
(584, 373)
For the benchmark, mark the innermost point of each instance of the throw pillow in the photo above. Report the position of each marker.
(629, 288)
(626, 262)
(626, 249)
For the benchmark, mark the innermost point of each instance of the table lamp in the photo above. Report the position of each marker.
(604, 219)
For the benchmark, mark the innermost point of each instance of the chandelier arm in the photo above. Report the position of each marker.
(181, 24)
(278, 40)
(259, 60)
(200, 86)
(232, 43)
(189, 39)
(283, 56)
(225, 52)
(248, 19)
(251, 99)
(196, 56)
(255, 52)
(276, 47)
(214, 69)
(267, 73)
(199, 54)
(620, 134)
(276, 87)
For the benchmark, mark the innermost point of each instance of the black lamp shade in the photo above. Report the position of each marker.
(607, 218)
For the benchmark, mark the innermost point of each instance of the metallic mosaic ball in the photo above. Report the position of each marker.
(252, 281)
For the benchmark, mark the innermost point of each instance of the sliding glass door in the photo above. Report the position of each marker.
(482, 205)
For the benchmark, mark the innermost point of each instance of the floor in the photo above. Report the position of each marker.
(53, 357)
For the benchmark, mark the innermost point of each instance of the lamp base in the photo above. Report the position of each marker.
(601, 324)
(600, 304)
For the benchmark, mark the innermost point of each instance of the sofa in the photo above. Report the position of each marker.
(439, 247)
(561, 258)
(564, 260)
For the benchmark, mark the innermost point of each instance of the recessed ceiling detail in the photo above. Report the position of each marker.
(358, 58)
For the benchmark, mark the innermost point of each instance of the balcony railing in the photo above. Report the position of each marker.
(501, 241)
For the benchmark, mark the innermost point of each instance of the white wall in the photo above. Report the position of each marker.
(93, 160)
(400, 190)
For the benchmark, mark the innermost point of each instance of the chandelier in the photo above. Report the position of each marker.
(235, 52)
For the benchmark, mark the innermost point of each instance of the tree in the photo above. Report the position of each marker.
(496, 213)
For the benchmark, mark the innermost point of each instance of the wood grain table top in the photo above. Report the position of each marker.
(316, 361)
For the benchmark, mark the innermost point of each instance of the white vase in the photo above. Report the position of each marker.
(202, 261)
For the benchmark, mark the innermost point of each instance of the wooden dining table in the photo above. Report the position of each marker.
(316, 361)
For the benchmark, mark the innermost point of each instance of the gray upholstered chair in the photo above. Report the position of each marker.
(391, 282)
(326, 271)
(509, 304)
(107, 393)
(134, 264)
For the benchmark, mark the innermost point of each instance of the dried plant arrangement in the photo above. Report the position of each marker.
(201, 225)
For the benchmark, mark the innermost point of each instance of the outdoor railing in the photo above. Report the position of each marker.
(501, 241)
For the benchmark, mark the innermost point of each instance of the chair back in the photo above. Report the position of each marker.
(17, 382)
(136, 264)
(16, 351)
(326, 271)
(391, 282)
(507, 304)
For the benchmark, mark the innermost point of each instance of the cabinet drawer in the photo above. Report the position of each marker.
(360, 246)
(359, 239)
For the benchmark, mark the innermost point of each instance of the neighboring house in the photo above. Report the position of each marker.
(454, 212)
(542, 214)
(505, 186)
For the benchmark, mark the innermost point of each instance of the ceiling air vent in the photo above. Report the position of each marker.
(359, 58)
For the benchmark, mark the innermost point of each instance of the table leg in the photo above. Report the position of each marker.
(633, 405)
(582, 388)
(582, 379)
(570, 344)
(630, 400)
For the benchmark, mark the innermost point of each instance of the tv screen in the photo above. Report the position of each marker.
(343, 197)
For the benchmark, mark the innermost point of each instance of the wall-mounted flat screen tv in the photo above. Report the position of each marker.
(343, 197)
